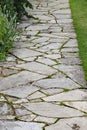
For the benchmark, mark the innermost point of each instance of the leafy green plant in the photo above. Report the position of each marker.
(20, 5)
(10, 12)
(16, 6)
(7, 33)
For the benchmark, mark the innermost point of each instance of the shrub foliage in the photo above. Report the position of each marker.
(10, 12)
(16, 6)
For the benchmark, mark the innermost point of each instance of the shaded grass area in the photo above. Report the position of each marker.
(79, 14)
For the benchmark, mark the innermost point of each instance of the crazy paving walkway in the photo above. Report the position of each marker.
(42, 84)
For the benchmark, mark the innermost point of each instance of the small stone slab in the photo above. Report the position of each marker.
(57, 83)
(71, 43)
(18, 125)
(5, 109)
(51, 91)
(27, 118)
(8, 71)
(38, 68)
(70, 50)
(46, 61)
(81, 105)
(70, 55)
(52, 110)
(40, 40)
(53, 56)
(52, 46)
(45, 119)
(79, 123)
(58, 39)
(37, 27)
(73, 95)
(63, 11)
(21, 111)
(36, 95)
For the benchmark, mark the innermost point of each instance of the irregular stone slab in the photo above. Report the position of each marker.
(53, 56)
(30, 33)
(63, 5)
(5, 109)
(62, 16)
(63, 11)
(19, 101)
(22, 44)
(38, 27)
(65, 20)
(70, 61)
(71, 43)
(73, 95)
(22, 91)
(46, 61)
(36, 95)
(40, 40)
(45, 119)
(27, 118)
(71, 50)
(18, 80)
(24, 53)
(52, 35)
(62, 34)
(38, 68)
(78, 105)
(75, 72)
(7, 117)
(57, 83)
(52, 46)
(70, 55)
(10, 58)
(58, 39)
(55, 29)
(8, 71)
(52, 110)
(21, 111)
(79, 123)
(30, 58)
(52, 91)
(18, 125)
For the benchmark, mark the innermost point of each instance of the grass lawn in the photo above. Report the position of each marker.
(79, 14)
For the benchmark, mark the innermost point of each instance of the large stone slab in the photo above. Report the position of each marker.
(18, 125)
(38, 68)
(57, 83)
(75, 72)
(79, 123)
(18, 80)
(21, 91)
(24, 53)
(52, 110)
(70, 61)
(68, 96)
